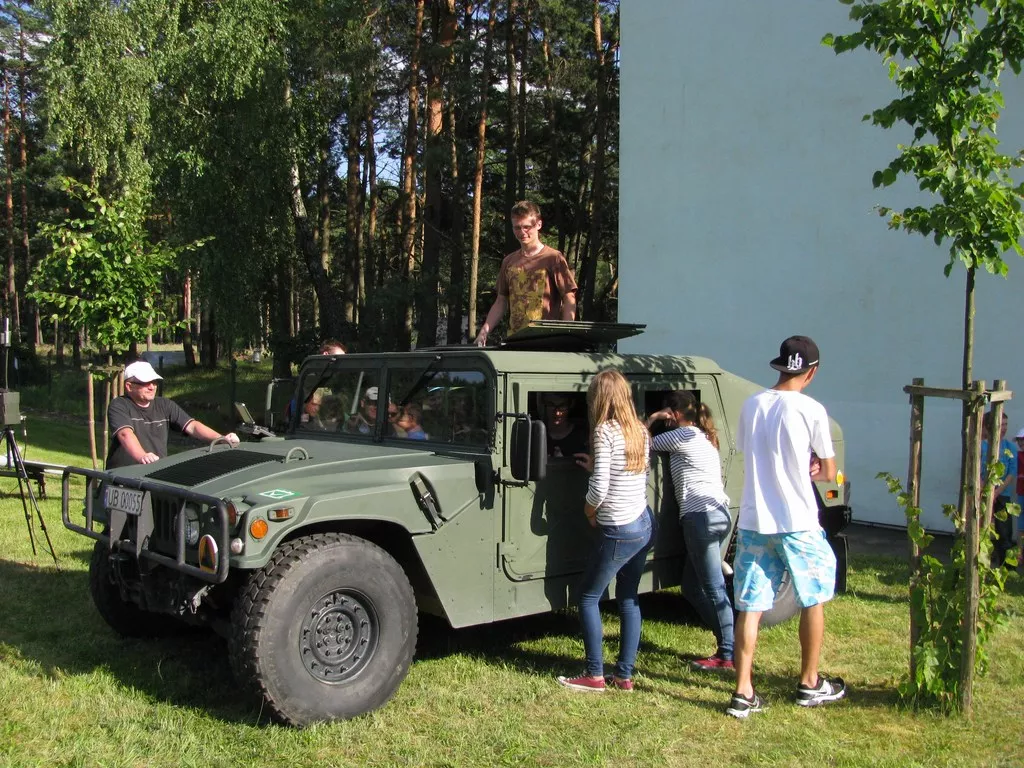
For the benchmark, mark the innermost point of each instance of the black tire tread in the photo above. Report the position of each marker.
(249, 612)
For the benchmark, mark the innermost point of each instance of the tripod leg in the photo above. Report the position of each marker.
(26, 490)
(13, 457)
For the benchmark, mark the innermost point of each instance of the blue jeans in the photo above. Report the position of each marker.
(621, 553)
(703, 581)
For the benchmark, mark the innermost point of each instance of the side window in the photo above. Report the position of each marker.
(339, 400)
(565, 418)
(442, 406)
(655, 400)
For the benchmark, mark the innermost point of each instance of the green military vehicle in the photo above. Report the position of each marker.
(404, 483)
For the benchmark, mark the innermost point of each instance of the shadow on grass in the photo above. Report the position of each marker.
(50, 619)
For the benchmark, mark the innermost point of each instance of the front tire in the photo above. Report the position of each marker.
(123, 616)
(326, 630)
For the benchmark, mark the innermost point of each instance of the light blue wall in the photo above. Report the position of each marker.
(747, 216)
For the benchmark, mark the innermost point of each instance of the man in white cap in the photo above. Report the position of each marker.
(140, 421)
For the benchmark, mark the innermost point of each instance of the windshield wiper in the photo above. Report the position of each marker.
(425, 375)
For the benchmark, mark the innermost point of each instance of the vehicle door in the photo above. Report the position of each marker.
(545, 533)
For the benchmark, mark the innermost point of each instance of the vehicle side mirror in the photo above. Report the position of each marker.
(529, 454)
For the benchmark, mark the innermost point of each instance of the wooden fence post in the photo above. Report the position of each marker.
(914, 494)
(994, 455)
(969, 623)
(90, 395)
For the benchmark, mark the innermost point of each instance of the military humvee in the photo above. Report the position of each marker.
(314, 551)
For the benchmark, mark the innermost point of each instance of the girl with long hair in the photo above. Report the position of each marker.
(696, 470)
(616, 505)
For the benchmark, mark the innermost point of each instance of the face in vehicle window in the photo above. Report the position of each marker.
(339, 400)
(443, 406)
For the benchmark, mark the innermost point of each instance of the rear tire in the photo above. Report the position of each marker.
(326, 630)
(786, 605)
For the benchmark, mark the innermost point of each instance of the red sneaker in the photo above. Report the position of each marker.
(623, 684)
(712, 664)
(583, 683)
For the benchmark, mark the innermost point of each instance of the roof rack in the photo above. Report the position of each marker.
(570, 336)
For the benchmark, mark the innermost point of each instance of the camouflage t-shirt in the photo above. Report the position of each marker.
(534, 286)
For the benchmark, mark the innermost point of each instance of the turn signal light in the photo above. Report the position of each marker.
(258, 528)
(831, 494)
(232, 511)
(282, 513)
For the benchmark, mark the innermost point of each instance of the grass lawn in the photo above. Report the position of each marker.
(73, 693)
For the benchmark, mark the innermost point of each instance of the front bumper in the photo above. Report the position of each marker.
(156, 534)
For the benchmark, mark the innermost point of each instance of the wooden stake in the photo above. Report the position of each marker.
(92, 418)
(969, 623)
(914, 495)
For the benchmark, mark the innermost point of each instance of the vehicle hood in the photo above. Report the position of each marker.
(298, 466)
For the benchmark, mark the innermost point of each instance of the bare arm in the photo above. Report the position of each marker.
(826, 471)
(131, 444)
(197, 429)
(493, 318)
(569, 306)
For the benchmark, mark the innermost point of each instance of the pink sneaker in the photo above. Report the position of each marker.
(583, 683)
(712, 664)
(623, 684)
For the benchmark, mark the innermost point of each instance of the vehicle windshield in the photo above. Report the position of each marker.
(417, 402)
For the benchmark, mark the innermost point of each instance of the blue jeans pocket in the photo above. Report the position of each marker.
(626, 548)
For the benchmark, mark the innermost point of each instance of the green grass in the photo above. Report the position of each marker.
(73, 693)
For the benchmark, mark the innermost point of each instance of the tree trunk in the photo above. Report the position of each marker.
(521, 145)
(325, 173)
(10, 286)
(444, 24)
(58, 343)
(408, 218)
(23, 157)
(512, 123)
(332, 312)
(478, 170)
(186, 312)
(76, 349)
(353, 214)
(552, 177)
(373, 274)
(588, 285)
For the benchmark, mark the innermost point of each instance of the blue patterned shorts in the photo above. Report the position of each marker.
(762, 558)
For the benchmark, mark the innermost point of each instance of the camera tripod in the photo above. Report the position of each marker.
(25, 490)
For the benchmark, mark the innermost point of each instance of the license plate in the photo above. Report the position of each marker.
(126, 500)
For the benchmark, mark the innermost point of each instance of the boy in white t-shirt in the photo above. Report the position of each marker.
(781, 433)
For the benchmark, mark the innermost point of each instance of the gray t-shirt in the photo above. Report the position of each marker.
(151, 426)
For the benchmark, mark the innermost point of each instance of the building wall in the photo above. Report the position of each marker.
(747, 216)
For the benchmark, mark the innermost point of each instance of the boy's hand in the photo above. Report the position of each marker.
(585, 460)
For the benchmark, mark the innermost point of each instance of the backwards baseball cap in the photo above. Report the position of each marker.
(370, 394)
(796, 355)
(142, 372)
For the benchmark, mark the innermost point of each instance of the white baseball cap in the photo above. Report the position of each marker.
(1020, 435)
(371, 394)
(141, 371)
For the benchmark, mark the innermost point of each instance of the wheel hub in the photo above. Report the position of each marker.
(339, 636)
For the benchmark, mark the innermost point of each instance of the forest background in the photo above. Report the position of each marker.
(290, 170)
